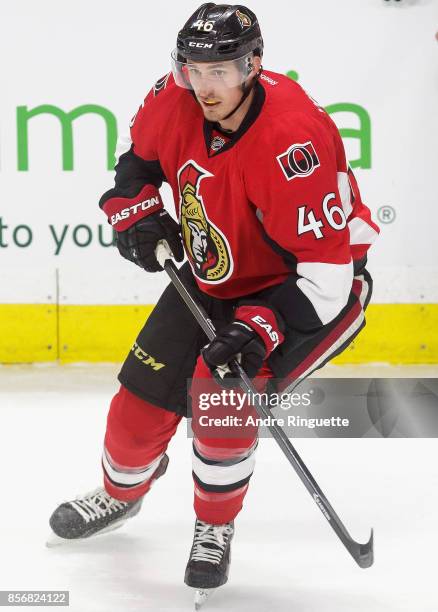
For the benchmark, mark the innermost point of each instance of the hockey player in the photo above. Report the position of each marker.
(276, 235)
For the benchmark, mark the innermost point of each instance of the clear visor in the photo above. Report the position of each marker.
(216, 74)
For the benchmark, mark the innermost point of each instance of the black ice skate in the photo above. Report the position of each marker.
(209, 561)
(95, 513)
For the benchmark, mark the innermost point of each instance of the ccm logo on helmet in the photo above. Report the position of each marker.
(299, 160)
(125, 213)
(199, 45)
(268, 329)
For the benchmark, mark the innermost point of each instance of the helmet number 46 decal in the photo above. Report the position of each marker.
(334, 216)
(203, 26)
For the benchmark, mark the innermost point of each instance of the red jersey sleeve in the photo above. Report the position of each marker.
(138, 171)
(294, 186)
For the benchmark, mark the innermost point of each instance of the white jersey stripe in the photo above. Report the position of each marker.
(327, 286)
(124, 143)
(345, 193)
(361, 232)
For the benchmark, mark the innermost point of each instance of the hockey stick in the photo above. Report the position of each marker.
(363, 554)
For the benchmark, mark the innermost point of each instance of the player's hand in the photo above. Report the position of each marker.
(250, 339)
(138, 242)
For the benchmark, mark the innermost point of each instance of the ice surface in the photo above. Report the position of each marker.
(285, 556)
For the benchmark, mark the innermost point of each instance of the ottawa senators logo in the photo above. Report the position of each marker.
(299, 160)
(207, 248)
(244, 20)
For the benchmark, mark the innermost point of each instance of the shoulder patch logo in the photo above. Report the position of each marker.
(299, 160)
(161, 84)
(207, 248)
(244, 20)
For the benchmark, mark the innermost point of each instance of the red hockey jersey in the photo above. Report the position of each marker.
(273, 204)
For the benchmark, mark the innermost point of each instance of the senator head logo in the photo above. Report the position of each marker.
(299, 160)
(207, 248)
(244, 20)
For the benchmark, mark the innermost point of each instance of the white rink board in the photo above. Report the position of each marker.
(376, 54)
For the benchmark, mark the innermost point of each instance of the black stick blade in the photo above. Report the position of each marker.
(364, 553)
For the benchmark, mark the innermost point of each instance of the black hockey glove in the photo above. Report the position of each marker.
(250, 339)
(236, 340)
(138, 242)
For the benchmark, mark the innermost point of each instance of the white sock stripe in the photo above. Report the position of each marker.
(126, 477)
(224, 496)
(124, 468)
(223, 474)
(234, 455)
(216, 453)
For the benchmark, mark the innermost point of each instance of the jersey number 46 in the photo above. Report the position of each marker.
(335, 217)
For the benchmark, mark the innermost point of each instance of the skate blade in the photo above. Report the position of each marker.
(201, 596)
(53, 541)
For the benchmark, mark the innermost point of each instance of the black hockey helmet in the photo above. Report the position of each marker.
(219, 32)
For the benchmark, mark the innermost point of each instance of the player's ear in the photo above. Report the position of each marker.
(256, 64)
